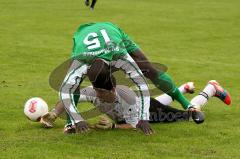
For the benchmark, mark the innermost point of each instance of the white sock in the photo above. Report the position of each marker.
(181, 89)
(200, 100)
(166, 99)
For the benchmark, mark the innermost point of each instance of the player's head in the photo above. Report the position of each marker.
(102, 80)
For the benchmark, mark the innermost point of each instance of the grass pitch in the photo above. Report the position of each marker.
(197, 40)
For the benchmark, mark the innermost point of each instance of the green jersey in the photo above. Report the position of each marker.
(108, 42)
(101, 40)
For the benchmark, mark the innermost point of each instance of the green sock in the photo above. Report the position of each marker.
(76, 97)
(181, 98)
(165, 83)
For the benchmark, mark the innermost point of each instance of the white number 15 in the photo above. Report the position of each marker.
(94, 42)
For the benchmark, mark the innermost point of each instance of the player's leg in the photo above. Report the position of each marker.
(69, 127)
(87, 2)
(165, 99)
(212, 89)
(163, 113)
(93, 4)
(131, 69)
(161, 79)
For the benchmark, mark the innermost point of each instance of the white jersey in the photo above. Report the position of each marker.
(78, 71)
(125, 107)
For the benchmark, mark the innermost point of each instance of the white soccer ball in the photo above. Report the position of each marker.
(35, 108)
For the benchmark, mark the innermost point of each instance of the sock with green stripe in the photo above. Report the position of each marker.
(165, 83)
(76, 97)
(69, 121)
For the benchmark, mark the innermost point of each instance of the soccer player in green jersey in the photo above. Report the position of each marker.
(95, 44)
(106, 40)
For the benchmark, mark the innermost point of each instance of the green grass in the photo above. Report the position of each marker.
(197, 40)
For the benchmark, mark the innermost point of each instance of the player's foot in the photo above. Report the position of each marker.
(87, 2)
(221, 93)
(196, 115)
(189, 87)
(69, 129)
(48, 119)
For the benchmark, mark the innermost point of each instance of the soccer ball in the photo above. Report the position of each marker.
(35, 108)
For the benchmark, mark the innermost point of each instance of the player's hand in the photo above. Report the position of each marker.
(104, 123)
(145, 127)
(81, 127)
(197, 115)
(48, 119)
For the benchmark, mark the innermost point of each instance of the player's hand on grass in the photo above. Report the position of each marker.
(104, 123)
(48, 119)
(81, 127)
(145, 127)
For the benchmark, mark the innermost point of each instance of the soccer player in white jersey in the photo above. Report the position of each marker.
(119, 103)
(99, 71)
